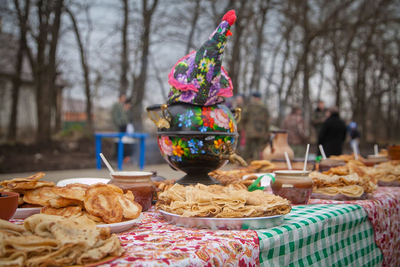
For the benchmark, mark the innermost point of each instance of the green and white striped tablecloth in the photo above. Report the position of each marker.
(321, 235)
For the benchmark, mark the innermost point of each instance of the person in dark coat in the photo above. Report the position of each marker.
(333, 133)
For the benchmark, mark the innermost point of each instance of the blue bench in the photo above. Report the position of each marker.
(141, 136)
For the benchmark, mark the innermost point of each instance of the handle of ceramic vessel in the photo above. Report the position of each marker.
(165, 121)
(238, 114)
(154, 107)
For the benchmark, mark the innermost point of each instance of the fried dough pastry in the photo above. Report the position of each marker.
(72, 191)
(47, 240)
(40, 196)
(92, 217)
(221, 202)
(131, 209)
(61, 202)
(28, 185)
(352, 185)
(350, 190)
(235, 176)
(32, 178)
(102, 202)
(65, 212)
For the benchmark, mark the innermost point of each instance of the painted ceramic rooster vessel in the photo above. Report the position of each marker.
(197, 139)
(196, 132)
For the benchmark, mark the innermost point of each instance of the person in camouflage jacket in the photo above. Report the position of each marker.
(255, 121)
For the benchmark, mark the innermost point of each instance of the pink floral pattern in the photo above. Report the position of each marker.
(384, 213)
(154, 242)
(221, 118)
(165, 145)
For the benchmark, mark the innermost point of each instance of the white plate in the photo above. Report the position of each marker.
(265, 181)
(22, 213)
(253, 223)
(88, 181)
(122, 226)
(373, 156)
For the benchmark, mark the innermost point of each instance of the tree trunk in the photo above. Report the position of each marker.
(234, 63)
(42, 93)
(22, 18)
(124, 54)
(45, 69)
(255, 79)
(193, 26)
(58, 109)
(12, 126)
(306, 70)
(86, 73)
(140, 84)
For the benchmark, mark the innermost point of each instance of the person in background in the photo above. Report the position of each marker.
(319, 117)
(333, 133)
(354, 135)
(255, 121)
(119, 115)
(120, 118)
(239, 103)
(295, 125)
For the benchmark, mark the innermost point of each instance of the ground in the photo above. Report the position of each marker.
(54, 156)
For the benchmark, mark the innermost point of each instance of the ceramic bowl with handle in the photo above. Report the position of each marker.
(8, 204)
(196, 139)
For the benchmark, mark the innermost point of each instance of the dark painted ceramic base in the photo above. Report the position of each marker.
(193, 179)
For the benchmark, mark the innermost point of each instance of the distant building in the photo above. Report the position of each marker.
(74, 113)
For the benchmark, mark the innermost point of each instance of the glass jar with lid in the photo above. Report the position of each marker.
(296, 186)
(142, 187)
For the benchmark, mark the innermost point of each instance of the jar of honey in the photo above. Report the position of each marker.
(142, 187)
(296, 186)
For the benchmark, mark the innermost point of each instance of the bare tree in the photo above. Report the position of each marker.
(260, 21)
(124, 83)
(23, 16)
(139, 83)
(43, 63)
(244, 13)
(86, 71)
(193, 23)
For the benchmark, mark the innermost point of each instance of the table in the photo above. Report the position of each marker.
(331, 235)
(384, 213)
(154, 242)
(141, 136)
(322, 235)
(336, 233)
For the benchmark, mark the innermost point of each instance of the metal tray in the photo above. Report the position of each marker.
(224, 223)
(392, 183)
(341, 197)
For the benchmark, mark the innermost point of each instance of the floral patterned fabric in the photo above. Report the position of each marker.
(199, 78)
(181, 149)
(384, 212)
(154, 242)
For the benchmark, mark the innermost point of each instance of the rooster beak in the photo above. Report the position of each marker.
(229, 33)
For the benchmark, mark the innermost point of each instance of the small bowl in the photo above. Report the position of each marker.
(296, 186)
(140, 183)
(9, 204)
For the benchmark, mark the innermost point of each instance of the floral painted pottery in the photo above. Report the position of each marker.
(196, 133)
(196, 139)
(277, 146)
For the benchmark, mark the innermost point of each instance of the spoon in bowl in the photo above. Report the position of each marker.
(106, 162)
